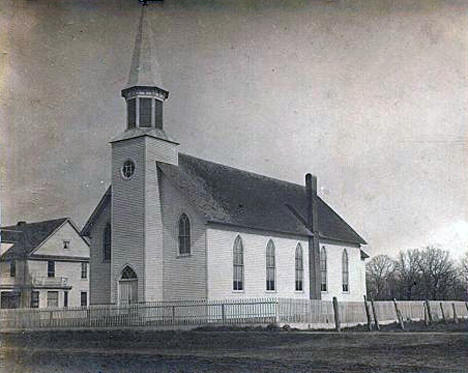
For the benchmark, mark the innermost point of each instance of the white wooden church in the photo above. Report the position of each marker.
(175, 227)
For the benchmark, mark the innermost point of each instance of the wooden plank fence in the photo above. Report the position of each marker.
(303, 313)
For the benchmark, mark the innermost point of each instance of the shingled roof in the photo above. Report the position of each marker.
(231, 196)
(226, 195)
(29, 235)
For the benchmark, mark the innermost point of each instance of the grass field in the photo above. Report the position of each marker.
(233, 351)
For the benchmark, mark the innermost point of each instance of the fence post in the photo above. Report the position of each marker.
(398, 314)
(369, 321)
(88, 316)
(443, 313)
(428, 308)
(426, 317)
(277, 315)
(455, 318)
(376, 319)
(337, 314)
(223, 313)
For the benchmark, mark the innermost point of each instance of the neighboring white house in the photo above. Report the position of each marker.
(172, 226)
(44, 264)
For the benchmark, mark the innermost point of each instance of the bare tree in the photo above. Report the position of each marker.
(463, 276)
(438, 273)
(380, 277)
(409, 274)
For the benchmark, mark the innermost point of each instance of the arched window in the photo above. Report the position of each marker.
(184, 235)
(270, 266)
(128, 274)
(107, 242)
(238, 265)
(323, 269)
(299, 268)
(345, 269)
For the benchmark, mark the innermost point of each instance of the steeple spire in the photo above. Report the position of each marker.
(144, 70)
(143, 95)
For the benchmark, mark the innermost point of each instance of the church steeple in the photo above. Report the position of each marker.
(143, 94)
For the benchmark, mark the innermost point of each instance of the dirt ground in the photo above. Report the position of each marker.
(232, 351)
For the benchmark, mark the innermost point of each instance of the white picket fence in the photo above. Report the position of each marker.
(180, 313)
(295, 312)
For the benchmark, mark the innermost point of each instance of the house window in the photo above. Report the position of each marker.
(145, 112)
(65, 299)
(270, 266)
(107, 239)
(323, 269)
(84, 270)
(299, 266)
(13, 268)
(66, 244)
(50, 268)
(184, 235)
(52, 299)
(345, 269)
(84, 299)
(34, 299)
(238, 265)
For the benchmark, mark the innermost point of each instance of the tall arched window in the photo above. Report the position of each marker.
(345, 269)
(184, 235)
(323, 269)
(270, 266)
(238, 265)
(107, 242)
(299, 268)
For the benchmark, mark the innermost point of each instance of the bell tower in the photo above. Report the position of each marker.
(143, 96)
(136, 200)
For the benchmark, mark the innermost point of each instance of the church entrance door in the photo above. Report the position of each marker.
(128, 287)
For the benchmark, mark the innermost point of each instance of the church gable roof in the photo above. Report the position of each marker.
(231, 196)
(226, 195)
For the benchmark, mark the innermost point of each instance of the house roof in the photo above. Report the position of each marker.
(30, 236)
(231, 196)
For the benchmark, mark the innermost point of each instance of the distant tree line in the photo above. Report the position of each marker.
(428, 273)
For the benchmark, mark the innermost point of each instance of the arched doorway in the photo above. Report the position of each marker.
(128, 286)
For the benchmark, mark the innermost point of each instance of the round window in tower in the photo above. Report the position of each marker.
(128, 169)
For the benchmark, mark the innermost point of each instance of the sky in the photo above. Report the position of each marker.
(369, 95)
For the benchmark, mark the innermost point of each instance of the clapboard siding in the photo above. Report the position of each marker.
(54, 244)
(100, 270)
(65, 269)
(137, 214)
(155, 150)
(220, 251)
(128, 214)
(184, 276)
(357, 284)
